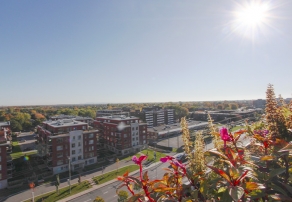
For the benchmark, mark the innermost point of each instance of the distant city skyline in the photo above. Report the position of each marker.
(73, 52)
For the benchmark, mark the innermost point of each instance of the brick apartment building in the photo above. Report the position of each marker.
(6, 165)
(122, 134)
(110, 112)
(66, 139)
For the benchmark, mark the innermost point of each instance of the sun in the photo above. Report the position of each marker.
(251, 19)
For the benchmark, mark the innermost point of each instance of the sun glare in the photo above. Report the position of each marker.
(251, 19)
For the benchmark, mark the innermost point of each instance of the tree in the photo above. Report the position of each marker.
(15, 125)
(123, 195)
(98, 199)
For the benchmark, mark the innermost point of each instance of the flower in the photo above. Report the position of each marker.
(139, 160)
(165, 159)
(262, 133)
(225, 136)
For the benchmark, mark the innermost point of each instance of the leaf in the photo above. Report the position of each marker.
(275, 172)
(289, 188)
(216, 152)
(221, 173)
(145, 176)
(126, 173)
(280, 197)
(135, 180)
(278, 189)
(135, 198)
(267, 158)
(236, 192)
(253, 186)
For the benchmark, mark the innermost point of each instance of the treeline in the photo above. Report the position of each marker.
(26, 118)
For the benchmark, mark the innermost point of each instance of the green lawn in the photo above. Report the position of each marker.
(150, 155)
(113, 174)
(63, 193)
(16, 151)
(236, 128)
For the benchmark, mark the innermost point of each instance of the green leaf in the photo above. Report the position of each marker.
(236, 192)
(289, 188)
(278, 189)
(275, 172)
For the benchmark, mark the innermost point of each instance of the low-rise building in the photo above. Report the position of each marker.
(88, 120)
(67, 140)
(164, 131)
(122, 134)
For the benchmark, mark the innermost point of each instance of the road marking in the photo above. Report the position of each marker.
(87, 200)
(105, 192)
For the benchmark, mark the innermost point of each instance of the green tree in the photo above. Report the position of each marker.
(98, 199)
(123, 195)
(15, 125)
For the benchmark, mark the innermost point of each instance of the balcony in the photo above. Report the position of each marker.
(10, 166)
(8, 158)
(9, 149)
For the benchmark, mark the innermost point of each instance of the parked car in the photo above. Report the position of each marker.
(22, 140)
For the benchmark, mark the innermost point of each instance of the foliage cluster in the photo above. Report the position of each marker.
(233, 174)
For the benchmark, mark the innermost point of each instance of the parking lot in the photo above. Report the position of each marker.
(26, 141)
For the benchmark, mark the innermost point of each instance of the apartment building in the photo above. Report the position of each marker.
(122, 134)
(6, 165)
(110, 112)
(64, 141)
(155, 116)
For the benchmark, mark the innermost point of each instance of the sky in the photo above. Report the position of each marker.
(80, 52)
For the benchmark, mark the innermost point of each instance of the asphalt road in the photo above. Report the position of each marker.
(108, 193)
(29, 141)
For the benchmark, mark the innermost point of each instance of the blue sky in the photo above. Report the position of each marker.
(74, 52)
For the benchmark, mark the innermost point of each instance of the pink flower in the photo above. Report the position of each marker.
(165, 159)
(262, 133)
(225, 136)
(139, 160)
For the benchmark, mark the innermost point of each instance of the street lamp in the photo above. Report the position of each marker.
(69, 180)
(32, 185)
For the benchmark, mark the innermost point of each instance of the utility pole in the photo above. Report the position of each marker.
(69, 180)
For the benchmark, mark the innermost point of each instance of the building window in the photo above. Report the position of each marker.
(79, 151)
(90, 142)
(73, 151)
(0, 156)
(90, 135)
(79, 157)
(73, 145)
(73, 159)
(59, 140)
(0, 167)
(133, 138)
(59, 148)
(79, 137)
(133, 128)
(59, 155)
(91, 161)
(136, 138)
(79, 144)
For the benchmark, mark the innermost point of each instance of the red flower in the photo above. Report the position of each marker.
(165, 159)
(225, 136)
(139, 160)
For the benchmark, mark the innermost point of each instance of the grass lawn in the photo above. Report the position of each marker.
(151, 155)
(30, 152)
(236, 128)
(63, 193)
(16, 150)
(113, 174)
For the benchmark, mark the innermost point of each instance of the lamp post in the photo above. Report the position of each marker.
(69, 180)
(32, 185)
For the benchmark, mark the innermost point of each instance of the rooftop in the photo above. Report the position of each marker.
(64, 122)
(5, 123)
(118, 117)
(163, 129)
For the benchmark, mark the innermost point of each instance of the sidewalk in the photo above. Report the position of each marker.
(94, 187)
(40, 190)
